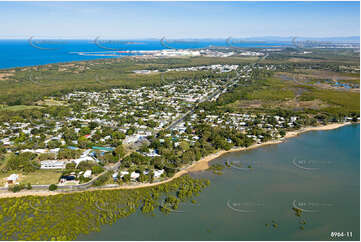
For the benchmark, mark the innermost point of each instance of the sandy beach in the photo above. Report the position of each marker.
(200, 165)
(203, 164)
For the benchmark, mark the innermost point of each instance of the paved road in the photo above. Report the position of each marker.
(116, 166)
(180, 119)
(63, 187)
(176, 122)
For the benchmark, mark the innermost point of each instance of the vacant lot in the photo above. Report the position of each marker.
(40, 177)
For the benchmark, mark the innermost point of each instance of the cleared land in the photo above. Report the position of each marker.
(39, 177)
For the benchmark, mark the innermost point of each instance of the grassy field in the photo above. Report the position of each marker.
(17, 107)
(40, 177)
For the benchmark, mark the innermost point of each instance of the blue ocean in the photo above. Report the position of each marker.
(30, 52)
(238, 204)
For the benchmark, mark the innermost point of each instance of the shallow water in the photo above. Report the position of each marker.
(317, 171)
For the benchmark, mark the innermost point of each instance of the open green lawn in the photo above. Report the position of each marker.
(42, 177)
(39, 177)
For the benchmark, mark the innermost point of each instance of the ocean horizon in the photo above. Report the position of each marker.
(32, 52)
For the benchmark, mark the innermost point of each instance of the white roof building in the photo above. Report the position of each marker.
(52, 164)
(134, 175)
(87, 173)
(123, 173)
(293, 119)
(158, 173)
(39, 151)
(115, 174)
(13, 177)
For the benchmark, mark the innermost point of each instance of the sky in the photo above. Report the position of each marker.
(137, 20)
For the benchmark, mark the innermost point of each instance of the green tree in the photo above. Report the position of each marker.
(119, 151)
(83, 142)
(53, 187)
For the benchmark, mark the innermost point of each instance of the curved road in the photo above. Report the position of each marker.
(86, 185)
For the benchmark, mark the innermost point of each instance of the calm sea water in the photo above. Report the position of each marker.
(20, 53)
(317, 171)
